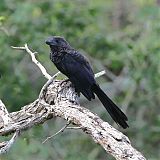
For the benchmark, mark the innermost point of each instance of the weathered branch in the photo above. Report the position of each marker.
(5, 146)
(59, 99)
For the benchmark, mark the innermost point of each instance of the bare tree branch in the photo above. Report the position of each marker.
(61, 130)
(5, 146)
(32, 54)
(59, 99)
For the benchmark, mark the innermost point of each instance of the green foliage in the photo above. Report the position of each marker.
(122, 36)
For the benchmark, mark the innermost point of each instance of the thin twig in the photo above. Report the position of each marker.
(100, 74)
(100, 65)
(18, 48)
(32, 54)
(61, 130)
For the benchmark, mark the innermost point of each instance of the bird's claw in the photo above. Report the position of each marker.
(64, 81)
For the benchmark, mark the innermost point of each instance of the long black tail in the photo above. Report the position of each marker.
(118, 116)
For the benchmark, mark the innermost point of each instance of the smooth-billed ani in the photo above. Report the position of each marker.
(75, 66)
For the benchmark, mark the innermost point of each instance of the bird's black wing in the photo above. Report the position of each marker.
(81, 59)
(78, 70)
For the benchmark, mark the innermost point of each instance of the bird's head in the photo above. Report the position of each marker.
(57, 42)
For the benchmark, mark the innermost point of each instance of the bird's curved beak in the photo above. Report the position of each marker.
(47, 42)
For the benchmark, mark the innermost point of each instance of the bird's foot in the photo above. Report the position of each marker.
(64, 81)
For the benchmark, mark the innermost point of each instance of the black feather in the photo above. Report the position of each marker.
(118, 116)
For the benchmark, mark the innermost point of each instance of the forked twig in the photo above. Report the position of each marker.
(32, 54)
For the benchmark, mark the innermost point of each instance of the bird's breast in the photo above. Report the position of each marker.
(56, 58)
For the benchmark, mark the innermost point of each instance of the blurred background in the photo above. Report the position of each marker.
(119, 36)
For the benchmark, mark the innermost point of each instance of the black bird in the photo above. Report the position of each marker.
(76, 67)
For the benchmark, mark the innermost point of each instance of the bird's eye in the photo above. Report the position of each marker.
(57, 40)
